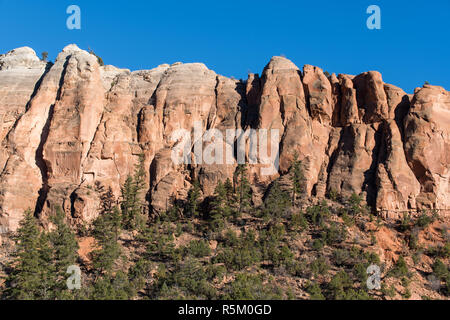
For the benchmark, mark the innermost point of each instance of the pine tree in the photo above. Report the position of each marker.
(28, 279)
(48, 271)
(230, 199)
(113, 287)
(132, 197)
(229, 191)
(277, 202)
(65, 247)
(127, 204)
(297, 178)
(108, 207)
(106, 232)
(219, 206)
(193, 201)
(109, 282)
(242, 187)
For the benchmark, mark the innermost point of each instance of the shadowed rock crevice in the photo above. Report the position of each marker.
(48, 66)
(369, 184)
(42, 165)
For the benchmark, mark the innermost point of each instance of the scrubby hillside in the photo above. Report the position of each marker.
(223, 247)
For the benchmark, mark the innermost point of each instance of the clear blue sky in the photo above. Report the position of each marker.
(234, 37)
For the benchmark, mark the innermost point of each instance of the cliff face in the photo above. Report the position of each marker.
(66, 126)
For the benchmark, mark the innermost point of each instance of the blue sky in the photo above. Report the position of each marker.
(235, 37)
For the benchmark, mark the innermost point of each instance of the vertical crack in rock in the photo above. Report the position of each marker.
(48, 66)
(41, 164)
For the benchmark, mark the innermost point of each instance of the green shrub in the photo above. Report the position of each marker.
(372, 257)
(339, 284)
(317, 244)
(360, 273)
(400, 269)
(199, 248)
(334, 234)
(238, 258)
(191, 280)
(252, 287)
(440, 270)
(390, 292)
(298, 221)
(315, 293)
(318, 214)
(348, 220)
(297, 269)
(283, 256)
(423, 220)
(319, 266)
(354, 204)
(341, 257)
(333, 195)
(405, 224)
(352, 294)
(439, 251)
(413, 240)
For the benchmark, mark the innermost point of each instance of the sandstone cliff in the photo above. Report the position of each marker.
(67, 125)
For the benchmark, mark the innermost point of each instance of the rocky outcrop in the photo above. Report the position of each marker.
(69, 126)
(397, 185)
(427, 145)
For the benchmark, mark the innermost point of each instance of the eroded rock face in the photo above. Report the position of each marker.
(20, 72)
(427, 145)
(24, 173)
(371, 97)
(68, 127)
(397, 185)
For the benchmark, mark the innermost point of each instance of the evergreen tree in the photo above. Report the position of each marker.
(112, 287)
(230, 199)
(193, 200)
(132, 197)
(29, 279)
(297, 178)
(65, 247)
(106, 232)
(109, 283)
(228, 190)
(277, 202)
(108, 207)
(137, 275)
(220, 209)
(48, 272)
(242, 187)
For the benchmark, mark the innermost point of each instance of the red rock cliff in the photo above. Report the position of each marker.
(66, 125)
